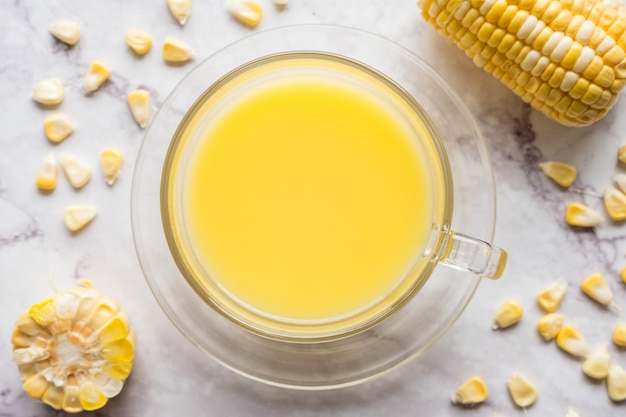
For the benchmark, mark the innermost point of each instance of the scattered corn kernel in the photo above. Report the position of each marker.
(281, 3)
(139, 103)
(623, 274)
(65, 31)
(616, 383)
(615, 203)
(550, 325)
(523, 392)
(471, 392)
(597, 363)
(47, 175)
(596, 287)
(562, 173)
(572, 413)
(48, 92)
(550, 298)
(138, 40)
(508, 313)
(621, 154)
(111, 163)
(77, 173)
(96, 75)
(69, 346)
(176, 51)
(77, 217)
(620, 180)
(571, 341)
(619, 335)
(57, 127)
(180, 9)
(247, 11)
(578, 214)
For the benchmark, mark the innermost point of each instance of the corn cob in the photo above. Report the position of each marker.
(566, 58)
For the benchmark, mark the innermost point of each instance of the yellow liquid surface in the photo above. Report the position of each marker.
(307, 198)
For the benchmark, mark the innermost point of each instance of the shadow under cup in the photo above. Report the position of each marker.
(340, 350)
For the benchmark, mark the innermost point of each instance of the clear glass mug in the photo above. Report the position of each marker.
(336, 352)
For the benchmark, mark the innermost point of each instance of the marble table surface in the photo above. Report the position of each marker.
(171, 377)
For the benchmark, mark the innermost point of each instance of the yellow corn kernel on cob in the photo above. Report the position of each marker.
(597, 363)
(523, 392)
(138, 40)
(619, 335)
(616, 383)
(471, 392)
(596, 287)
(578, 214)
(48, 92)
(176, 51)
(65, 31)
(615, 203)
(57, 127)
(566, 59)
(47, 176)
(111, 161)
(180, 9)
(550, 325)
(74, 349)
(550, 298)
(97, 74)
(246, 11)
(77, 217)
(560, 172)
(571, 341)
(139, 103)
(78, 174)
(621, 154)
(508, 313)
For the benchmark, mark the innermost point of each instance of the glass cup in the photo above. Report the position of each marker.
(330, 351)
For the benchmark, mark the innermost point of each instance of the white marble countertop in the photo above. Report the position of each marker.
(171, 377)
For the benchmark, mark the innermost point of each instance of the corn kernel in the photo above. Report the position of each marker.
(571, 341)
(550, 325)
(621, 154)
(139, 103)
(48, 92)
(57, 127)
(471, 392)
(620, 180)
(550, 298)
(562, 173)
(615, 203)
(523, 392)
(47, 175)
(572, 413)
(281, 3)
(616, 383)
(77, 217)
(508, 313)
(246, 11)
(619, 335)
(96, 75)
(596, 287)
(622, 274)
(176, 51)
(111, 160)
(580, 215)
(77, 173)
(597, 363)
(138, 40)
(180, 9)
(65, 31)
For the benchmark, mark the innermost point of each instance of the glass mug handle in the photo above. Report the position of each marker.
(470, 254)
